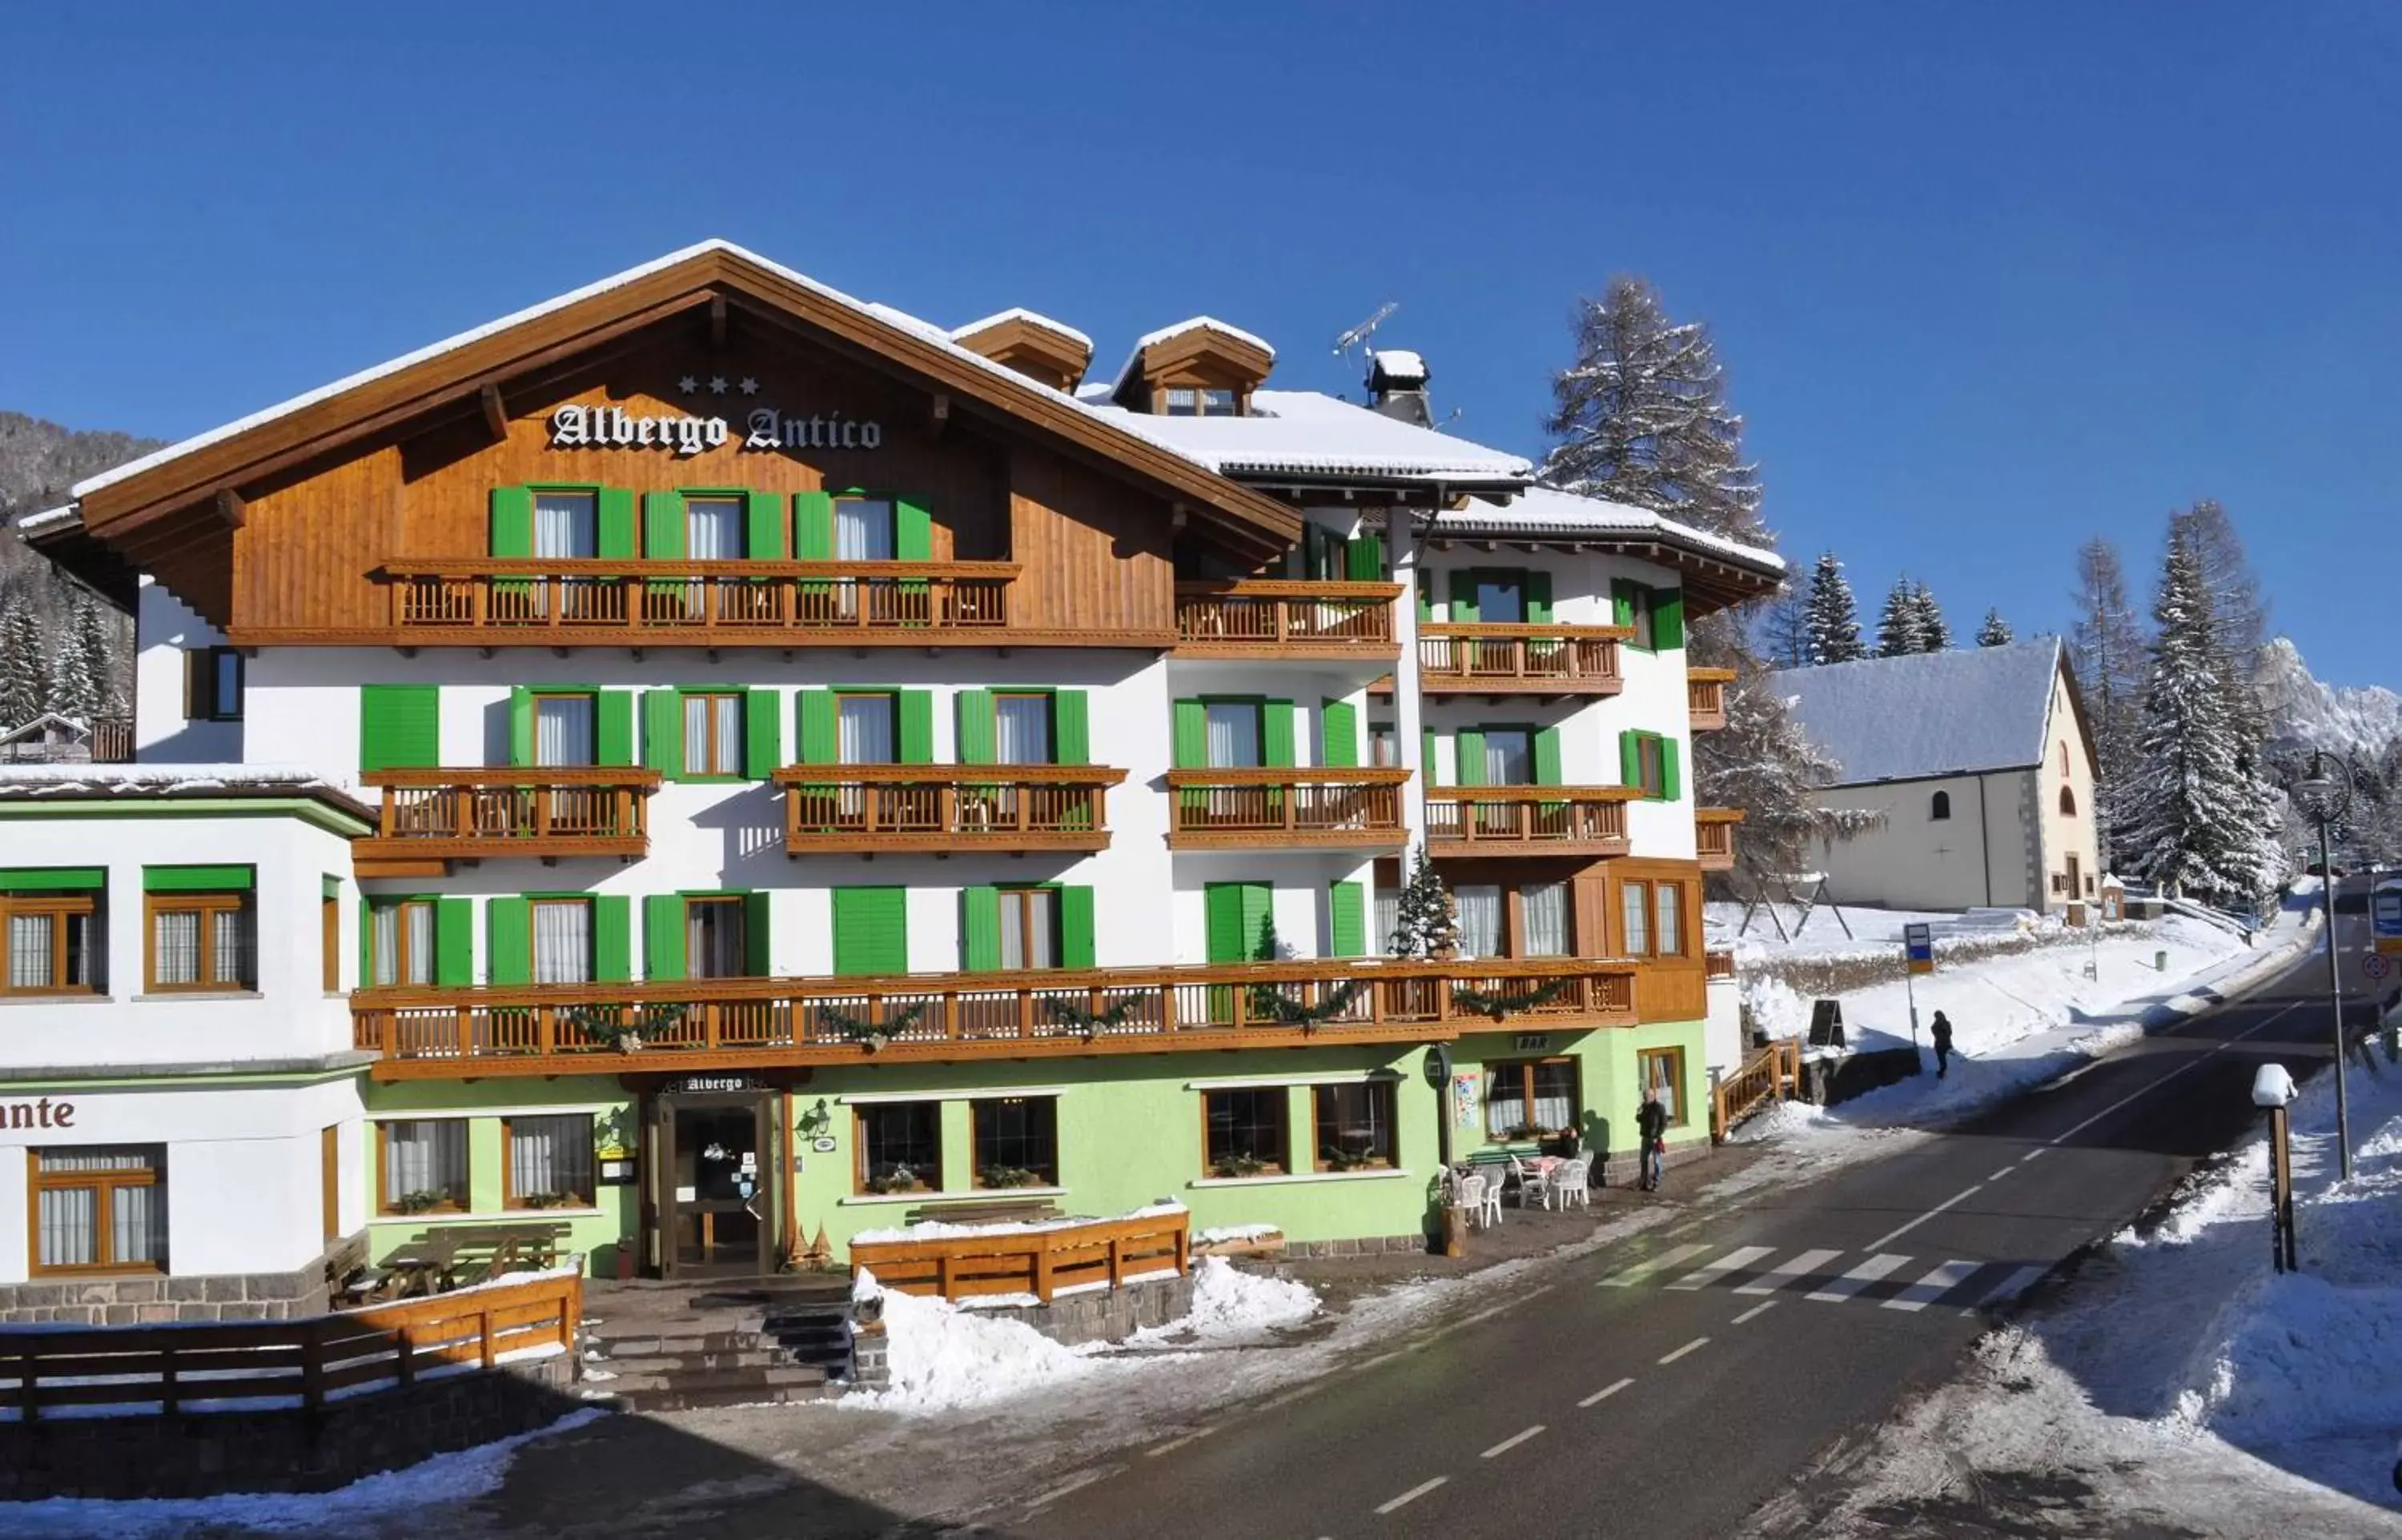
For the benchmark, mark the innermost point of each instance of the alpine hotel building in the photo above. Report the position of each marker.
(717, 762)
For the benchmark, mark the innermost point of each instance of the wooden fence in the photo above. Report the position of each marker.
(247, 1365)
(1771, 1074)
(1039, 1262)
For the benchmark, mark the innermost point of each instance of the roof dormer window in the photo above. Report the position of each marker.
(1195, 368)
(1196, 400)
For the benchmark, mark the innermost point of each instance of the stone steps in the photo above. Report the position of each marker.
(720, 1347)
(681, 1388)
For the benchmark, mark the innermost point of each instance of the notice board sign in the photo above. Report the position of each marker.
(1827, 1024)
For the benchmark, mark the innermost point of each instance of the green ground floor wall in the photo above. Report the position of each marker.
(1130, 1132)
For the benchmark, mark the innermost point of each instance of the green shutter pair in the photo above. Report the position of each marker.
(871, 930)
(512, 523)
(1347, 917)
(913, 528)
(1667, 607)
(509, 941)
(1190, 750)
(820, 711)
(664, 954)
(454, 940)
(763, 733)
(980, 927)
(613, 724)
(1338, 735)
(1238, 920)
(979, 738)
(1630, 762)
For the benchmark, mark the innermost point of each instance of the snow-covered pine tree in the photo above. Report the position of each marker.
(1834, 617)
(93, 626)
(2195, 815)
(77, 676)
(24, 672)
(2241, 615)
(1901, 628)
(1424, 923)
(1641, 417)
(1996, 632)
(2106, 653)
(1934, 631)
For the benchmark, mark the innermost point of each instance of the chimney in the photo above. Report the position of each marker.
(1396, 386)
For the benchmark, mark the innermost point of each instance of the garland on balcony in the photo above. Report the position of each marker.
(870, 1035)
(1092, 1023)
(1269, 1003)
(1498, 1006)
(619, 1032)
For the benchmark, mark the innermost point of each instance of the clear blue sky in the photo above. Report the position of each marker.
(1988, 278)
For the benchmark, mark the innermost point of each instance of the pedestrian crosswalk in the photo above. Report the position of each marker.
(1891, 1280)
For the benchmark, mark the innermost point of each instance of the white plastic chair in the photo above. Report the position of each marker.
(1465, 1192)
(1571, 1181)
(1489, 1200)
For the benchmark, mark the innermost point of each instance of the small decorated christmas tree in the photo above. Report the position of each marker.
(1424, 924)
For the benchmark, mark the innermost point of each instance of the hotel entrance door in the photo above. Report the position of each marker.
(717, 1199)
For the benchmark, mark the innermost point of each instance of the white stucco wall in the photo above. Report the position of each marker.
(165, 631)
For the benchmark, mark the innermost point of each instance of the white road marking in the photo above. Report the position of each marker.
(1629, 1277)
(1859, 1277)
(1999, 1174)
(1604, 1392)
(2032, 1154)
(1698, 1341)
(1756, 1312)
(1733, 1262)
(2219, 1047)
(1292, 1396)
(1785, 1272)
(1892, 1236)
(1196, 1436)
(2013, 1286)
(1506, 1445)
(1937, 1283)
(1079, 1484)
(1405, 1499)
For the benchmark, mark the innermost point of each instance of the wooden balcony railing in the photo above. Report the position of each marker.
(1268, 618)
(112, 740)
(1706, 694)
(1071, 1254)
(1255, 808)
(1714, 836)
(678, 1026)
(524, 810)
(1498, 659)
(781, 602)
(837, 809)
(1529, 820)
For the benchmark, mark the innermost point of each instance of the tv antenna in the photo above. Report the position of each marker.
(1357, 335)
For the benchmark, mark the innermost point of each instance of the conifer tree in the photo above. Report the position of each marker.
(1834, 618)
(1934, 631)
(1901, 628)
(79, 664)
(24, 672)
(1424, 923)
(1785, 634)
(1996, 632)
(92, 624)
(2106, 653)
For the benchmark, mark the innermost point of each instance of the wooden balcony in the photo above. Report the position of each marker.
(1272, 618)
(1269, 809)
(702, 1023)
(1529, 820)
(442, 816)
(1714, 836)
(1706, 693)
(1519, 660)
(729, 603)
(865, 809)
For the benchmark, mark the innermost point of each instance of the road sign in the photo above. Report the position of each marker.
(1918, 941)
(2385, 915)
(2374, 967)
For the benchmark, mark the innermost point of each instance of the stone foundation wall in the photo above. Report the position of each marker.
(1102, 1315)
(205, 1453)
(136, 1301)
(1366, 1245)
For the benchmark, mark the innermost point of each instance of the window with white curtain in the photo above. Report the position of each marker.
(49, 941)
(175, 948)
(100, 1210)
(1635, 903)
(424, 1164)
(200, 941)
(1545, 909)
(1480, 920)
(862, 529)
(1233, 733)
(566, 525)
(864, 728)
(400, 942)
(550, 1161)
(712, 528)
(1526, 1097)
(562, 730)
(713, 938)
(1022, 729)
(1509, 759)
(713, 735)
(562, 940)
(1029, 927)
(1387, 909)
(29, 950)
(1668, 907)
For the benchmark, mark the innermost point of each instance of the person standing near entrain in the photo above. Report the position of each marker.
(1651, 1127)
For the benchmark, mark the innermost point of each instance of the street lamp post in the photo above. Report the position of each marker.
(2325, 796)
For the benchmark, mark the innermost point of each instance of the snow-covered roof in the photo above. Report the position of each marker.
(1398, 363)
(65, 782)
(1032, 318)
(1543, 511)
(1304, 432)
(47, 719)
(1957, 712)
(63, 515)
(1198, 323)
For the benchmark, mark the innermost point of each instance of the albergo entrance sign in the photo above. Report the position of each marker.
(574, 427)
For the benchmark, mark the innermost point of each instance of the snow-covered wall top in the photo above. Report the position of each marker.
(1927, 713)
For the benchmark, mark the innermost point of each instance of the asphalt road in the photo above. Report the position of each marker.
(1669, 1387)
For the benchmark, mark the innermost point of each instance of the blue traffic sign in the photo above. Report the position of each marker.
(2385, 915)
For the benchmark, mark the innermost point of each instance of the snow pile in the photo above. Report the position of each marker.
(943, 1358)
(1232, 1306)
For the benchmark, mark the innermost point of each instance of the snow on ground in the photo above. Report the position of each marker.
(2179, 1379)
(1233, 1307)
(1830, 930)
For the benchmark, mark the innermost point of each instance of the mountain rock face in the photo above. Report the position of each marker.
(2363, 724)
(38, 463)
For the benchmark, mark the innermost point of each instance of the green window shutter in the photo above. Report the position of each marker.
(1275, 732)
(763, 740)
(1223, 911)
(1192, 735)
(1463, 598)
(1363, 558)
(913, 530)
(367, 944)
(813, 526)
(976, 739)
(454, 942)
(1426, 603)
(663, 529)
(614, 539)
(509, 947)
(613, 727)
(1538, 590)
(1621, 602)
(1338, 735)
(1076, 928)
(758, 941)
(1258, 907)
(980, 928)
(1630, 758)
(820, 742)
(915, 709)
(613, 938)
(663, 732)
(1667, 618)
(1427, 759)
(512, 521)
(1468, 748)
(400, 726)
(1072, 731)
(1347, 912)
(198, 879)
(871, 930)
(1547, 757)
(1672, 778)
(52, 879)
(520, 725)
(663, 935)
(764, 512)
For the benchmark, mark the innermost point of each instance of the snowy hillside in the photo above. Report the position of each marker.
(2362, 723)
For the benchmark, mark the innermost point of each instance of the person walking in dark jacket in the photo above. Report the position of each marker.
(1651, 1127)
(1942, 1030)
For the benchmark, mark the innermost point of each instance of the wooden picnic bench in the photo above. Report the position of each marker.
(996, 1211)
(436, 1260)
